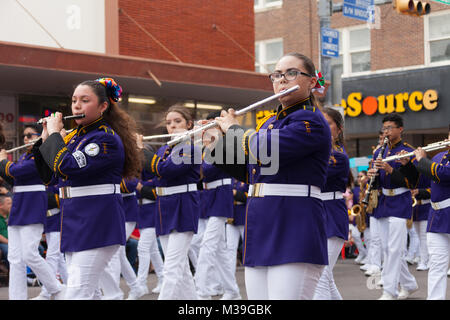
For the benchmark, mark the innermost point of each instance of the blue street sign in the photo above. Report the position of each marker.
(330, 42)
(359, 9)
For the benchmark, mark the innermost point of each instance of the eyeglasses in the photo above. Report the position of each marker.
(289, 75)
(388, 128)
(30, 135)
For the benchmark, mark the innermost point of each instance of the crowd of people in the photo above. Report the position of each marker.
(90, 189)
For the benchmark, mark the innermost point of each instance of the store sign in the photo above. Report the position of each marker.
(70, 24)
(356, 104)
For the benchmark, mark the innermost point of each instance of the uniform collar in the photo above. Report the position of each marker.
(82, 130)
(395, 145)
(304, 104)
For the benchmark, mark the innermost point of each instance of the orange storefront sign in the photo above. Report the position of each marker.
(415, 101)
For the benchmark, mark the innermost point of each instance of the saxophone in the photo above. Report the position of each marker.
(359, 211)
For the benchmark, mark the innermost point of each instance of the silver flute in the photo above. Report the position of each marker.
(187, 135)
(431, 147)
(77, 116)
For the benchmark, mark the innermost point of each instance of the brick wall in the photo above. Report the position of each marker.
(185, 28)
(398, 43)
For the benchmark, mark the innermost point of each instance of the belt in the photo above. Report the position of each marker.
(167, 191)
(422, 202)
(216, 183)
(332, 195)
(124, 195)
(52, 212)
(441, 204)
(94, 190)
(29, 188)
(146, 201)
(394, 192)
(283, 190)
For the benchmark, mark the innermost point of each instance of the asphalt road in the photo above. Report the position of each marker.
(350, 281)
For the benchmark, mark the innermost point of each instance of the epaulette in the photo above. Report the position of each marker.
(264, 120)
(106, 129)
(408, 145)
(68, 137)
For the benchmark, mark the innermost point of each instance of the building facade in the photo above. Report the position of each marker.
(162, 52)
(398, 64)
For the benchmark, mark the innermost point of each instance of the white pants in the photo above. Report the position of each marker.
(326, 287)
(148, 251)
(439, 247)
(292, 281)
(55, 258)
(356, 235)
(23, 244)
(395, 271)
(421, 229)
(119, 264)
(233, 234)
(196, 242)
(213, 253)
(413, 248)
(85, 268)
(178, 282)
(375, 251)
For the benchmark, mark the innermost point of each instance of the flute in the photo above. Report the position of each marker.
(213, 123)
(160, 136)
(430, 147)
(77, 116)
(29, 144)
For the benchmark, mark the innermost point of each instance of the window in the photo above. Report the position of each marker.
(437, 37)
(354, 56)
(267, 4)
(267, 53)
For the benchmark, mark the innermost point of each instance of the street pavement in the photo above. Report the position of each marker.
(350, 281)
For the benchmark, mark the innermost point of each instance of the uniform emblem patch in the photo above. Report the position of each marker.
(92, 149)
(80, 158)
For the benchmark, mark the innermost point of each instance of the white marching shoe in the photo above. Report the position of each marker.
(386, 296)
(404, 294)
(137, 292)
(157, 289)
(231, 296)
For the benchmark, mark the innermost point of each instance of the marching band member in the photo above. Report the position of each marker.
(90, 162)
(52, 229)
(394, 208)
(148, 250)
(235, 225)
(420, 218)
(337, 224)
(178, 205)
(375, 252)
(362, 258)
(285, 246)
(26, 222)
(218, 199)
(438, 227)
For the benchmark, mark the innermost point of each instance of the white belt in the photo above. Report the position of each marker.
(52, 212)
(216, 183)
(441, 204)
(283, 190)
(167, 191)
(147, 201)
(94, 190)
(332, 195)
(124, 195)
(29, 188)
(422, 202)
(394, 192)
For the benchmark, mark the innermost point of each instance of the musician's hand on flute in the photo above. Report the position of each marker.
(3, 155)
(420, 153)
(403, 161)
(226, 119)
(54, 123)
(211, 136)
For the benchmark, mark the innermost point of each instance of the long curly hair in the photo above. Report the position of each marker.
(124, 125)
